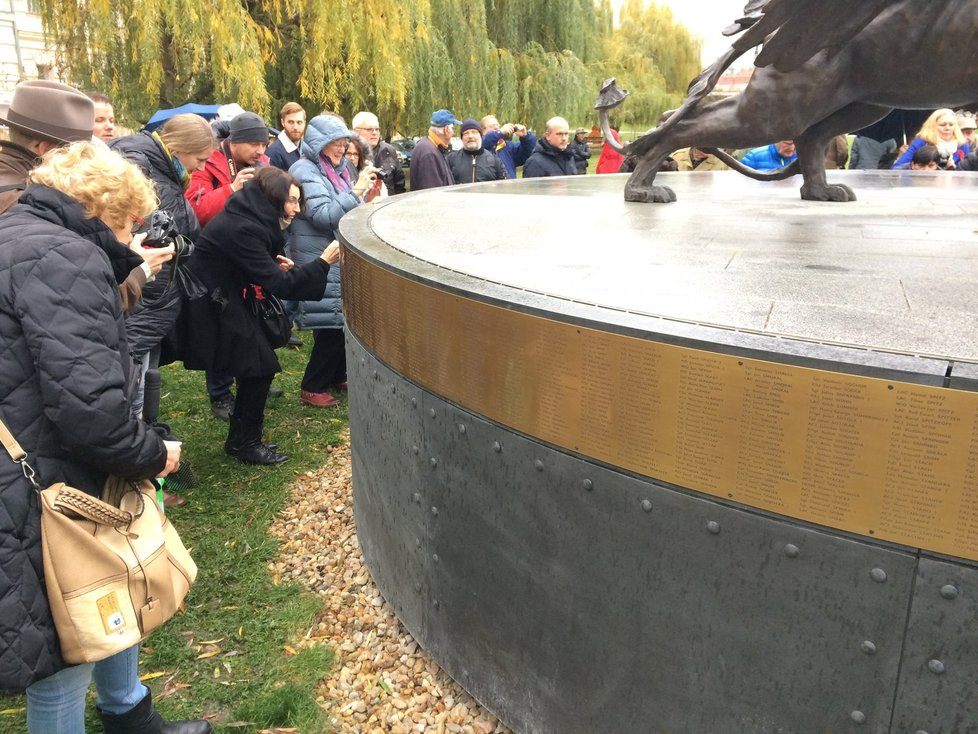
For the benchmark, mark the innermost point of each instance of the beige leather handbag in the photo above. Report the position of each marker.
(114, 570)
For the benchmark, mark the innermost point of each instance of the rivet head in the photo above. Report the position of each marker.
(414, 402)
(416, 497)
(588, 485)
(647, 505)
(436, 603)
(434, 462)
(434, 510)
(376, 375)
(417, 542)
(416, 450)
(435, 558)
(431, 412)
(713, 527)
(868, 647)
(792, 551)
(417, 587)
(936, 667)
(858, 717)
(538, 465)
(393, 388)
(949, 591)
(497, 447)
(461, 428)
(878, 575)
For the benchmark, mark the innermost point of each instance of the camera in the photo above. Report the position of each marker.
(162, 232)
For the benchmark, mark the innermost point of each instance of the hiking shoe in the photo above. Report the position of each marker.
(318, 399)
(222, 407)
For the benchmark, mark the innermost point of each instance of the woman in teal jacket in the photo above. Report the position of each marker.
(331, 188)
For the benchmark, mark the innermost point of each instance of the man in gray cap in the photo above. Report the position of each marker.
(429, 168)
(42, 115)
(232, 163)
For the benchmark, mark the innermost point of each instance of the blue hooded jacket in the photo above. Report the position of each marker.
(511, 153)
(315, 227)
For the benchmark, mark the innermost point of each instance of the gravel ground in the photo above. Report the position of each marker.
(382, 680)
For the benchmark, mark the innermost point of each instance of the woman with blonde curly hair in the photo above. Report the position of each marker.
(64, 379)
(940, 130)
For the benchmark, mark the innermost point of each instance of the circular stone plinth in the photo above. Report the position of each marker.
(895, 270)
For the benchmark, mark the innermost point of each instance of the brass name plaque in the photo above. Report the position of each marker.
(889, 460)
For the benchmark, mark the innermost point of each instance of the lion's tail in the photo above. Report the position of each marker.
(780, 174)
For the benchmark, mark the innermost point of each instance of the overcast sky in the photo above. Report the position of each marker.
(707, 19)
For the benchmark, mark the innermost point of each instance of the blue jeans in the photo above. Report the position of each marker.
(56, 705)
(218, 384)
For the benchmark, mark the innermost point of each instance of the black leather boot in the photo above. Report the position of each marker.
(144, 719)
(257, 452)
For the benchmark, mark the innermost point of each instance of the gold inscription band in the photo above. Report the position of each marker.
(888, 460)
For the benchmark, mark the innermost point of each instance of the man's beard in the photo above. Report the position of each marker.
(472, 146)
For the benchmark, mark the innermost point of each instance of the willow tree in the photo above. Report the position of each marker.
(146, 54)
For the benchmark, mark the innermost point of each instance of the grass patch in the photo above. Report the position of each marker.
(233, 652)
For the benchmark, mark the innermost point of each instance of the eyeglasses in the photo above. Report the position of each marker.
(368, 129)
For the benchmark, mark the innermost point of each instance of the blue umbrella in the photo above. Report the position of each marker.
(207, 111)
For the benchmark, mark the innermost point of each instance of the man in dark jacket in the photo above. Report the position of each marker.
(513, 143)
(472, 163)
(42, 116)
(551, 158)
(429, 169)
(284, 151)
(580, 150)
(382, 154)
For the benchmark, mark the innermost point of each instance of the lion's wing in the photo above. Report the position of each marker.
(793, 31)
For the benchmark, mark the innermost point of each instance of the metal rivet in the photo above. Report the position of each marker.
(436, 603)
(417, 587)
(417, 542)
(497, 447)
(588, 485)
(949, 591)
(363, 361)
(434, 462)
(376, 375)
(414, 402)
(431, 412)
(792, 551)
(435, 558)
(858, 717)
(416, 497)
(461, 428)
(714, 527)
(868, 647)
(538, 464)
(416, 450)
(936, 667)
(393, 388)
(878, 575)
(647, 505)
(434, 510)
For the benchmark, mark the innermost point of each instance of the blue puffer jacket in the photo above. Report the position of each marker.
(315, 227)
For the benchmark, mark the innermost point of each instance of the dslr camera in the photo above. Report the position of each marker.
(162, 232)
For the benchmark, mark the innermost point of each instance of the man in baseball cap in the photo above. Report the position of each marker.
(42, 115)
(429, 168)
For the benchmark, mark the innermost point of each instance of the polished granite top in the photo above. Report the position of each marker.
(896, 270)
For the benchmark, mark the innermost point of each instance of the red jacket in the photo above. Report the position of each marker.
(610, 161)
(210, 188)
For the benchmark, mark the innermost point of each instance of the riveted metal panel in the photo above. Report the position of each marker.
(388, 446)
(572, 598)
(938, 691)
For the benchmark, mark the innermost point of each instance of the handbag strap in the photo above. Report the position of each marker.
(17, 453)
(69, 499)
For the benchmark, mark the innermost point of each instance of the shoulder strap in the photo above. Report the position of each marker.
(12, 187)
(17, 453)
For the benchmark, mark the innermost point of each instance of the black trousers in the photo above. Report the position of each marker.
(327, 362)
(249, 410)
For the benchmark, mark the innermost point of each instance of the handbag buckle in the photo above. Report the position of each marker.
(29, 474)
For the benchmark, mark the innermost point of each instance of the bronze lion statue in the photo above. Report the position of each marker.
(827, 67)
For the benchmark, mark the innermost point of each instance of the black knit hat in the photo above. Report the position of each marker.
(247, 127)
(469, 124)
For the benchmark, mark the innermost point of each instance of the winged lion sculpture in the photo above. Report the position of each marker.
(826, 67)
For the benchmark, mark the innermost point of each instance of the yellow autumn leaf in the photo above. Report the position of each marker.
(205, 655)
(290, 650)
(151, 676)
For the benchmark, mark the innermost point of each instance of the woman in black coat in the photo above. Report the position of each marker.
(239, 259)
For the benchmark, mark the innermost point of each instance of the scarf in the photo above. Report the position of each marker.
(174, 161)
(334, 176)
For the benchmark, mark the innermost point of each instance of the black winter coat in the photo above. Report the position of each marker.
(63, 376)
(236, 249)
(549, 161)
(159, 308)
(472, 167)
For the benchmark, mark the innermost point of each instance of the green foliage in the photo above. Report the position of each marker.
(522, 60)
